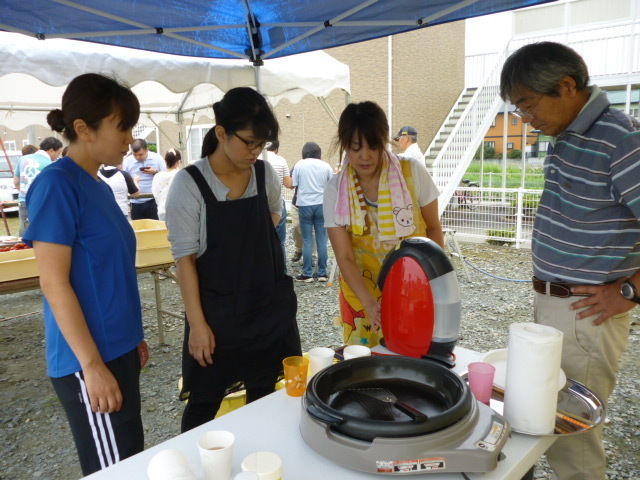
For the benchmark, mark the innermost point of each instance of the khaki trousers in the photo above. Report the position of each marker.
(590, 355)
(295, 228)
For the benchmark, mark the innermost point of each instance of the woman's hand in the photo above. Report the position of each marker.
(103, 389)
(373, 312)
(143, 351)
(202, 343)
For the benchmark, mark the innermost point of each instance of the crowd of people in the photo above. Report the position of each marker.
(226, 219)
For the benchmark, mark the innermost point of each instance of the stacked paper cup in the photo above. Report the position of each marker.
(531, 386)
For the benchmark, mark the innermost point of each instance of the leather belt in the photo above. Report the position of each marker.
(556, 289)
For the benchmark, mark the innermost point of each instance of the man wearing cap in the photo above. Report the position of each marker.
(407, 139)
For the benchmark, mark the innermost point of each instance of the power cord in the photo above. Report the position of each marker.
(475, 267)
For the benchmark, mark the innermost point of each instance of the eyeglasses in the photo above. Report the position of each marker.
(251, 144)
(526, 115)
(399, 137)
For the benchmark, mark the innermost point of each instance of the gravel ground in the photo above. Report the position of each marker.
(36, 443)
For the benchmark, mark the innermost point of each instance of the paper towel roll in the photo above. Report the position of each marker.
(531, 386)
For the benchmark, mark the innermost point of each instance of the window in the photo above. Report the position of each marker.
(490, 144)
(514, 121)
(25, 143)
(509, 145)
(493, 124)
(196, 134)
(10, 145)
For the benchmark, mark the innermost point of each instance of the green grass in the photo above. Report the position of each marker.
(493, 175)
(14, 224)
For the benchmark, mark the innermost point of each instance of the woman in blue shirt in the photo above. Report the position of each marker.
(85, 249)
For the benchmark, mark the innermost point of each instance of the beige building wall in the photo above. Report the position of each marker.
(427, 77)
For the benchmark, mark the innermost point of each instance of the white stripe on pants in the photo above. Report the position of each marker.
(100, 426)
(590, 355)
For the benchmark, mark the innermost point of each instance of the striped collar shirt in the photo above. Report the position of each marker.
(587, 227)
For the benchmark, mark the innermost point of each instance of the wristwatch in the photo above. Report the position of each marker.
(628, 291)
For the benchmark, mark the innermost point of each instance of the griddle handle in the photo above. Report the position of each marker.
(323, 416)
(416, 415)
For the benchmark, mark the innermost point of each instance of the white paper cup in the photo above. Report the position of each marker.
(216, 454)
(170, 465)
(355, 351)
(247, 476)
(267, 465)
(319, 358)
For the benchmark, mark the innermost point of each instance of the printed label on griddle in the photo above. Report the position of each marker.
(404, 466)
(493, 437)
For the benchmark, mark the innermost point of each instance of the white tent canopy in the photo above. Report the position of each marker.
(34, 74)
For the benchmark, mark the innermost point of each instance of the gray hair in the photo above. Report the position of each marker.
(311, 150)
(540, 67)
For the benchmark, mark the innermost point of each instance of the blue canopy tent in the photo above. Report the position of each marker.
(250, 29)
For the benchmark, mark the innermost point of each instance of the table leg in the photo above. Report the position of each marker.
(156, 285)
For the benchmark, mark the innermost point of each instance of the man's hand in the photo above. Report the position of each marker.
(603, 300)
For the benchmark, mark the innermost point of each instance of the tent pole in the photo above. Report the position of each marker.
(323, 102)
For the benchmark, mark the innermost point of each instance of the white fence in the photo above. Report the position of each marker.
(492, 214)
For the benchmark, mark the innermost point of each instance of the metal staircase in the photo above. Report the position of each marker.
(462, 133)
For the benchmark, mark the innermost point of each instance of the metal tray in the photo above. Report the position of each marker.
(575, 402)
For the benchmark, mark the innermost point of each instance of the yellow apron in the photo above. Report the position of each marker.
(369, 255)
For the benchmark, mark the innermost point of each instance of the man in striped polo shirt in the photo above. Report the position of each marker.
(585, 246)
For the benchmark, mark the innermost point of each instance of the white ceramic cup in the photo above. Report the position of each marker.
(267, 465)
(170, 464)
(355, 351)
(216, 454)
(319, 358)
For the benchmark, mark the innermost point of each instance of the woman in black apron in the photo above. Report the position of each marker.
(240, 305)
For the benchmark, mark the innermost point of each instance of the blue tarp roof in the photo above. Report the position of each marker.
(253, 29)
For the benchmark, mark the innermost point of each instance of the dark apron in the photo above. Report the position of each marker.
(247, 299)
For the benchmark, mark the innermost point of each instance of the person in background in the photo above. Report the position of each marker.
(85, 249)
(26, 171)
(371, 181)
(29, 149)
(221, 213)
(295, 228)
(281, 168)
(122, 185)
(311, 175)
(586, 231)
(407, 139)
(146, 164)
(162, 180)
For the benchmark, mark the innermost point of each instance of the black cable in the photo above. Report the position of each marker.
(483, 271)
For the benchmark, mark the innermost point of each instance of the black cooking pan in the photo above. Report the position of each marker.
(341, 396)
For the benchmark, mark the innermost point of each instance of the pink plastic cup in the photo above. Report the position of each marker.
(481, 380)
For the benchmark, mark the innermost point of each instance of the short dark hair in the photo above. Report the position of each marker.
(274, 146)
(138, 144)
(242, 108)
(366, 120)
(540, 67)
(93, 97)
(49, 143)
(311, 150)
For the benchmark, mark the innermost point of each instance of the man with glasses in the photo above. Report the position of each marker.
(145, 164)
(407, 139)
(586, 234)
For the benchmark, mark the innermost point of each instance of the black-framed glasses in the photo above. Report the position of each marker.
(251, 144)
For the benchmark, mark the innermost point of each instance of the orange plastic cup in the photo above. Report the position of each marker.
(295, 375)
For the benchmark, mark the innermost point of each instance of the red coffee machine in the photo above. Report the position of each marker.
(420, 301)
